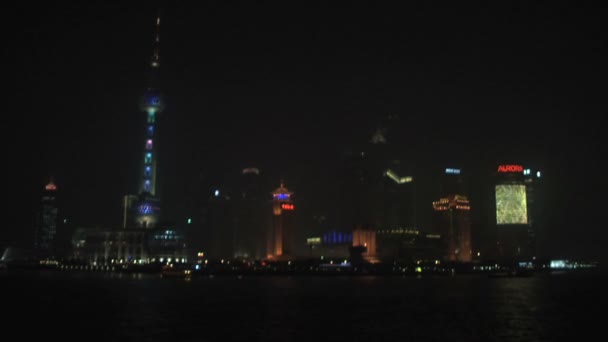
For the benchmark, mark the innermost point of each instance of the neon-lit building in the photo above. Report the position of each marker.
(516, 211)
(281, 235)
(145, 211)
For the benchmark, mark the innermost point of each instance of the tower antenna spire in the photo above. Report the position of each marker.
(155, 63)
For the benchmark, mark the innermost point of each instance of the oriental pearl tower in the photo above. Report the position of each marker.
(146, 209)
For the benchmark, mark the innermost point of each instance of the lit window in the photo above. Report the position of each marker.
(147, 171)
(149, 144)
(150, 130)
(148, 158)
(147, 185)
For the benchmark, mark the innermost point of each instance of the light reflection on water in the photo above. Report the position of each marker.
(144, 307)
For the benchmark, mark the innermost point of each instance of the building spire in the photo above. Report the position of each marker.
(155, 63)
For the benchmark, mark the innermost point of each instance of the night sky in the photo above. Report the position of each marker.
(288, 88)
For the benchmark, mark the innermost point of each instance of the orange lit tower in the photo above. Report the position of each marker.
(280, 241)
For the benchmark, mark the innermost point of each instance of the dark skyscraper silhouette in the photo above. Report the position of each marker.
(252, 217)
(47, 221)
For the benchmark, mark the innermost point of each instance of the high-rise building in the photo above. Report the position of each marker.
(452, 220)
(397, 198)
(145, 211)
(251, 216)
(218, 225)
(379, 192)
(47, 221)
(516, 211)
(281, 237)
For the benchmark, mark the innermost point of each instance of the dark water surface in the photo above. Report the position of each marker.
(64, 306)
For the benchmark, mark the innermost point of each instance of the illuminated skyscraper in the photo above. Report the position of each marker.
(146, 210)
(451, 216)
(280, 240)
(516, 211)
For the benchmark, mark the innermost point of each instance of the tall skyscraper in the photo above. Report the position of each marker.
(47, 220)
(146, 210)
(280, 242)
(451, 217)
(517, 211)
(251, 215)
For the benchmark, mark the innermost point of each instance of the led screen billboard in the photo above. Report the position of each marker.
(511, 204)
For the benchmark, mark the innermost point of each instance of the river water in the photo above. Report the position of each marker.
(85, 306)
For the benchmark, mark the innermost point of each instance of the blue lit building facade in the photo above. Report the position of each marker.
(331, 244)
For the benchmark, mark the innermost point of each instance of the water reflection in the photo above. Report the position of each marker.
(270, 308)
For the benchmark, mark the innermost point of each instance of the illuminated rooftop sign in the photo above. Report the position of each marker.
(452, 171)
(287, 206)
(510, 168)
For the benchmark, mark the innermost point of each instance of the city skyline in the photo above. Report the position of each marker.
(249, 86)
